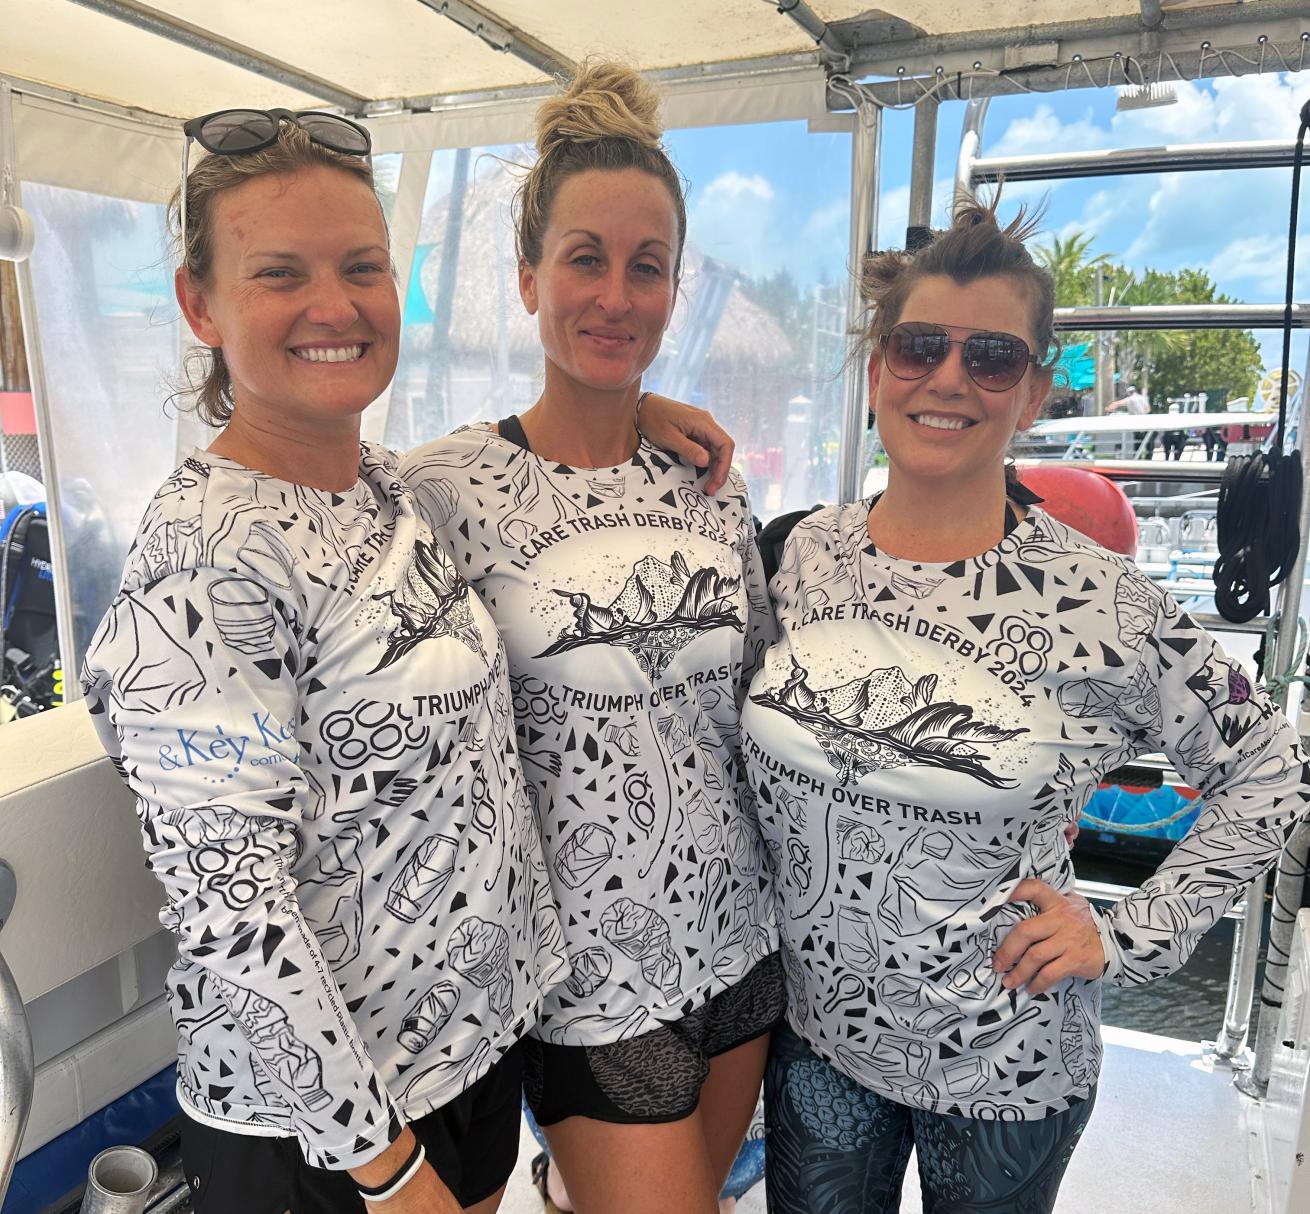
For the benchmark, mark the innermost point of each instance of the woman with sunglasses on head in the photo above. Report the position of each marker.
(313, 711)
(956, 673)
(633, 610)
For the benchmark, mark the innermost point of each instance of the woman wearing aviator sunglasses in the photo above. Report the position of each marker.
(313, 710)
(956, 673)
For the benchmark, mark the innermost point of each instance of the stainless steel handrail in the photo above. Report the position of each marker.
(1104, 319)
(1107, 891)
(17, 1074)
(1118, 162)
(1230, 1045)
(1161, 471)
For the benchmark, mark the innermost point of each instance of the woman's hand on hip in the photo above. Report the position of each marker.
(1059, 942)
(690, 433)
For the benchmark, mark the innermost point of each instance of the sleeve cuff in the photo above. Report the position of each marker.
(1114, 961)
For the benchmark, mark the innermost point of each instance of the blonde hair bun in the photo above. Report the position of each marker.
(603, 101)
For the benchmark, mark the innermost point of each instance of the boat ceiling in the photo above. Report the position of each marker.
(181, 57)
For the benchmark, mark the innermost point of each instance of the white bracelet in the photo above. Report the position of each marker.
(401, 1181)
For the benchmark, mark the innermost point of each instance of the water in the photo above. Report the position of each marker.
(1187, 1005)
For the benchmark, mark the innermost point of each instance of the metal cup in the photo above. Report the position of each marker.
(119, 1181)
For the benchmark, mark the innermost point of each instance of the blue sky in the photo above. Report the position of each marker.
(765, 197)
(762, 197)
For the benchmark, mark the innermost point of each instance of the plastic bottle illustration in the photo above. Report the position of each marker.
(281, 1051)
(424, 876)
(428, 1017)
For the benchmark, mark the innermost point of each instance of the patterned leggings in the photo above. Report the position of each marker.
(834, 1147)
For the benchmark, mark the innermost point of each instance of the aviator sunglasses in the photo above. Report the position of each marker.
(235, 132)
(994, 361)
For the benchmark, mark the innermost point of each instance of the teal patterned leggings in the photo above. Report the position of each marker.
(834, 1147)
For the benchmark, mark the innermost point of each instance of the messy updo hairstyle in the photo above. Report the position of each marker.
(606, 120)
(974, 246)
(206, 374)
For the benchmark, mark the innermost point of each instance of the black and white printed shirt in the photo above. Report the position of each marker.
(313, 712)
(634, 611)
(919, 738)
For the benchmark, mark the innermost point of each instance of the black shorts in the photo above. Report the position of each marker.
(472, 1142)
(658, 1076)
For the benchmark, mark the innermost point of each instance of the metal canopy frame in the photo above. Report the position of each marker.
(185, 34)
(1163, 44)
(1186, 44)
(482, 23)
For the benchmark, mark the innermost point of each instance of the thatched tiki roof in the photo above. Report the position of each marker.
(486, 282)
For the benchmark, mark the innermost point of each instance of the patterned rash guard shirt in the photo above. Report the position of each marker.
(634, 610)
(313, 712)
(918, 739)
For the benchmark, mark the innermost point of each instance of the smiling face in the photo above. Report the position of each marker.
(603, 291)
(299, 297)
(944, 426)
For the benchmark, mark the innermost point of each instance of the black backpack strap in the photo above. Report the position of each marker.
(773, 538)
(511, 428)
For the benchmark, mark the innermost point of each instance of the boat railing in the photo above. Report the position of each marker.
(17, 1058)
(973, 169)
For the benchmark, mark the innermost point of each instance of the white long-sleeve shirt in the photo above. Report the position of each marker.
(313, 712)
(634, 609)
(920, 736)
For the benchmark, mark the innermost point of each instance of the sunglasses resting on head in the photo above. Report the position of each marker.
(238, 131)
(994, 361)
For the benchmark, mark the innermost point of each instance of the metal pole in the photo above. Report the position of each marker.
(1102, 396)
(163, 25)
(922, 160)
(975, 117)
(831, 48)
(1113, 318)
(17, 1074)
(866, 140)
(1122, 162)
(1231, 1042)
(1289, 883)
(406, 220)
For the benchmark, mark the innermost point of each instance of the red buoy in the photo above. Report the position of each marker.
(1087, 502)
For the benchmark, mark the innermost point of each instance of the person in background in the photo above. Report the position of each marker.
(956, 673)
(1135, 404)
(634, 611)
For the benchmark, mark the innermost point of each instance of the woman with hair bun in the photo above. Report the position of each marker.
(634, 611)
(956, 672)
(313, 710)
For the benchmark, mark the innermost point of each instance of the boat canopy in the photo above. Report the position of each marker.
(450, 73)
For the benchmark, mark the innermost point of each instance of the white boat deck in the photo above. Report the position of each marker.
(1170, 1135)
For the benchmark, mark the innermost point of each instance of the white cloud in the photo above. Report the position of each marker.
(1042, 131)
(894, 212)
(731, 220)
(1255, 267)
(1232, 225)
(733, 185)
(828, 223)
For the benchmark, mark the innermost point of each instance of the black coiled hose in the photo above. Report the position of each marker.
(1259, 511)
(1260, 495)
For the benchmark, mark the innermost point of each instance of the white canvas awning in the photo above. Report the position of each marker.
(182, 57)
(428, 74)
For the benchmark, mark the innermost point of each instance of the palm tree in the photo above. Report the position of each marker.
(1073, 270)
